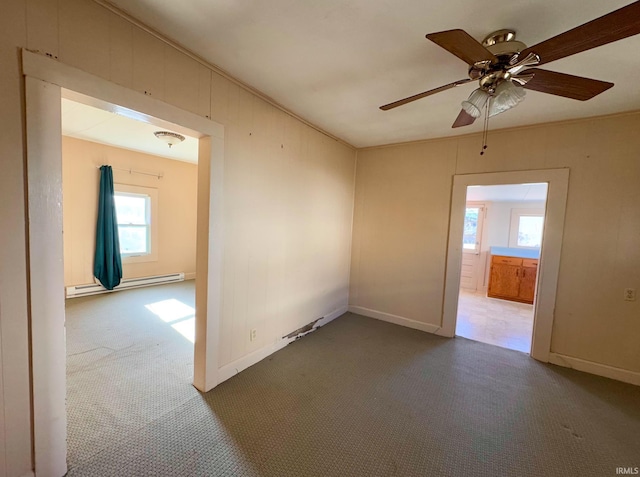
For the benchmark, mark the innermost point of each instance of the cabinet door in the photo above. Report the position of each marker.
(528, 283)
(504, 280)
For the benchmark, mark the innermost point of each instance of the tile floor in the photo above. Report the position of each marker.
(498, 322)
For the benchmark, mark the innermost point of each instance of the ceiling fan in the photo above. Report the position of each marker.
(503, 66)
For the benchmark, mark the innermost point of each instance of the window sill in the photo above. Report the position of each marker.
(151, 257)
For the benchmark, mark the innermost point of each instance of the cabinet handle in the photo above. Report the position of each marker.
(517, 272)
(523, 272)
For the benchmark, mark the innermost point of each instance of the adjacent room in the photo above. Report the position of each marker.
(503, 230)
(319, 238)
(138, 334)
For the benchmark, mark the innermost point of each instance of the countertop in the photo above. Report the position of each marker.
(516, 252)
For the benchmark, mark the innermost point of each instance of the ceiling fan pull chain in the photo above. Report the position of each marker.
(485, 129)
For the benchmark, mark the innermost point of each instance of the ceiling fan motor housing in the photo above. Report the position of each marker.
(505, 47)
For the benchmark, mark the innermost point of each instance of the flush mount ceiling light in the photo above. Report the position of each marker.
(169, 137)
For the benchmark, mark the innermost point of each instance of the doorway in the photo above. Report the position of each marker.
(503, 232)
(45, 80)
(129, 352)
(549, 264)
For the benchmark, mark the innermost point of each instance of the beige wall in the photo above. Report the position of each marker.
(401, 225)
(176, 208)
(497, 225)
(400, 229)
(288, 214)
(288, 194)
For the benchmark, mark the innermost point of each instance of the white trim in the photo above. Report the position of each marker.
(150, 194)
(209, 261)
(395, 319)
(332, 316)
(514, 225)
(619, 374)
(100, 93)
(239, 365)
(229, 370)
(549, 265)
(482, 209)
(139, 282)
(46, 277)
(45, 78)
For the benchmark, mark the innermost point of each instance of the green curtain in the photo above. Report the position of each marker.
(107, 264)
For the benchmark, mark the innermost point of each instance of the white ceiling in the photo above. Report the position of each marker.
(507, 193)
(105, 127)
(334, 62)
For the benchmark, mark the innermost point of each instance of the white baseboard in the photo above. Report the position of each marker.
(328, 318)
(235, 367)
(619, 374)
(443, 332)
(395, 319)
(229, 370)
(126, 283)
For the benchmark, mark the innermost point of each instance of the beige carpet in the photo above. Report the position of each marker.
(358, 397)
(126, 366)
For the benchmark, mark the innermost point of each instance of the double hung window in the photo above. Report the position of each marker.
(134, 223)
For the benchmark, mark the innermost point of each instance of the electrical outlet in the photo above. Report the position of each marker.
(630, 294)
(253, 334)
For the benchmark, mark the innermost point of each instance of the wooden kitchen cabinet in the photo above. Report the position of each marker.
(513, 278)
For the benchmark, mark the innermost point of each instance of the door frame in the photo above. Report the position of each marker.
(550, 252)
(46, 81)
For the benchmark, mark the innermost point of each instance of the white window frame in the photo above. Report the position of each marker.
(146, 225)
(479, 229)
(514, 225)
(152, 222)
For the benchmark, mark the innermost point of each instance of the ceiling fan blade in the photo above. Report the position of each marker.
(614, 26)
(415, 97)
(463, 119)
(562, 84)
(463, 45)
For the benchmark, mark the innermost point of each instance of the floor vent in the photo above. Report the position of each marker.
(95, 288)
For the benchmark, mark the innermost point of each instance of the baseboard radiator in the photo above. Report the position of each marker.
(95, 288)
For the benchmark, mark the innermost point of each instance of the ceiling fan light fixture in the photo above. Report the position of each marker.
(506, 96)
(476, 101)
(169, 137)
